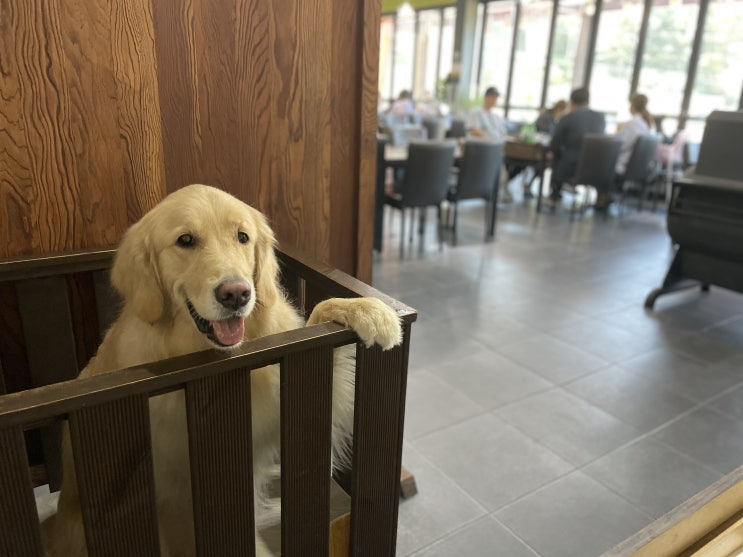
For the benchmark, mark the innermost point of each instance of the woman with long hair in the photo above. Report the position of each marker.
(641, 123)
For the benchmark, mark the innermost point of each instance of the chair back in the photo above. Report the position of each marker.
(435, 127)
(641, 160)
(458, 128)
(597, 160)
(402, 135)
(426, 180)
(479, 170)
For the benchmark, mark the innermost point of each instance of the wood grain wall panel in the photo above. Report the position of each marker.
(368, 52)
(345, 126)
(107, 106)
(135, 71)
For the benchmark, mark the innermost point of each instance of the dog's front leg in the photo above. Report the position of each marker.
(374, 321)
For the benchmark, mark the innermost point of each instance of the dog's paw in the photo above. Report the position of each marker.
(374, 321)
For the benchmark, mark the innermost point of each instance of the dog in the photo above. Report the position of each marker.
(199, 272)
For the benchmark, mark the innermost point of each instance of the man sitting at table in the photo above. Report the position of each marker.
(566, 141)
(483, 123)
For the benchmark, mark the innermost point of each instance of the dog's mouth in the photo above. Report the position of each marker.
(224, 332)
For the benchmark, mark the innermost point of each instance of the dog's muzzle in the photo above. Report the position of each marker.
(224, 332)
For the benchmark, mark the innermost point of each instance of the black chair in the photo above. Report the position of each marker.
(457, 128)
(477, 178)
(596, 165)
(639, 168)
(435, 127)
(424, 184)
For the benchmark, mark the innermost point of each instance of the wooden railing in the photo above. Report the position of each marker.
(109, 418)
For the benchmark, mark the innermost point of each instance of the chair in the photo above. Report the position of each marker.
(435, 127)
(402, 135)
(639, 167)
(424, 184)
(478, 176)
(596, 163)
(457, 129)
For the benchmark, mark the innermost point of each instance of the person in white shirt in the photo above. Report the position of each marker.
(483, 122)
(641, 123)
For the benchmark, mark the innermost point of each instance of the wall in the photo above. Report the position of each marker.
(108, 105)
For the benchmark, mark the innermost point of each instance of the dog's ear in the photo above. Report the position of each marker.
(134, 274)
(266, 264)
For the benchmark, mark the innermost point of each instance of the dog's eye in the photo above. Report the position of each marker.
(242, 237)
(186, 241)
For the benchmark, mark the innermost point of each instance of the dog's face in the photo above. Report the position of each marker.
(200, 255)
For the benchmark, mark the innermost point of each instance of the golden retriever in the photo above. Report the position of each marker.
(199, 272)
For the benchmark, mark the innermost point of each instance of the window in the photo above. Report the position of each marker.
(404, 52)
(614, 61)
(447, 41)
(427, 57)
(569, 51)
(386, 41)
(531, 53)
(666, 60)
(720, 72)
(496, 47)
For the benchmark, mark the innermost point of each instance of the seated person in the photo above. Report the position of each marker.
(641, 123)
(548, 119)
(483, 122)
(566, 141)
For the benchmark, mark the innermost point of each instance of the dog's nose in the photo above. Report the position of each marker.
(232, 294)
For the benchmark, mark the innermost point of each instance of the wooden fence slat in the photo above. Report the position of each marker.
(306, 409)
(381, 378)
(220, 437)
(50, 347)
(19, 522)
(113, 461)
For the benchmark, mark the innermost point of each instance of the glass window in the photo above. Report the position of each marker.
(719, 75)
(614, 61)
(404, 51)
(496, 46)
(531, 52)
(570, 48)
(426, 61)
(447, 41)
(386, 41)
(666, 61)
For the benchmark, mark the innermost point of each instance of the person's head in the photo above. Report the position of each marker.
(579, 97)
(405, 94)
(491, 98)
(558, 109)
(638, 104)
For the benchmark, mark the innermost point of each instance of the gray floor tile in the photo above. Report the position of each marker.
(708, 437)
(553, 359)
(439, 508)
(491, 460)
(653, 477)
(483, 538)
(434, 342)
(629, 396)
(573, 517)
(431, 405)
(684, 375)
(567, 425)
(490, 380)
(730, 404)
(604, 340)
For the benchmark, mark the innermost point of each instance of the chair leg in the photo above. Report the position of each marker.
(402, 232)
(454, 225)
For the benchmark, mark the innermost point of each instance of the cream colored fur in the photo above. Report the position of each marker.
(156, 276)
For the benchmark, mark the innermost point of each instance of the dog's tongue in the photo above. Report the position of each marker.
(229, 331)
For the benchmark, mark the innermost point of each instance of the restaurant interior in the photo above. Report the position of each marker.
(572, 391)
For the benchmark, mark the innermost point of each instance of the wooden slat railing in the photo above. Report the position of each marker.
(109, 425)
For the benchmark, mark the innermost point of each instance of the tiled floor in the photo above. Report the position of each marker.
(548, 413)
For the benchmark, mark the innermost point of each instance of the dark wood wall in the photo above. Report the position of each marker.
(108, 105)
